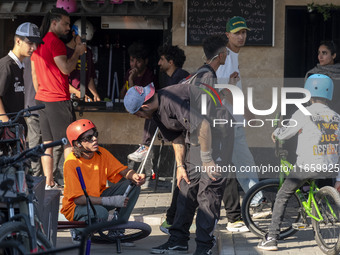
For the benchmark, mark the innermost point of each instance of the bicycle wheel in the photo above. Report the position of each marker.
(18, 232)
(327, 232)
(258, 218)
(127, 232)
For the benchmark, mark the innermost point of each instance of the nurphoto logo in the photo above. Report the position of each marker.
(239, 103)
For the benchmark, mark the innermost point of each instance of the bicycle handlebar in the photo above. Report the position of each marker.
(45, 146)
(36, 151)
(21, 114)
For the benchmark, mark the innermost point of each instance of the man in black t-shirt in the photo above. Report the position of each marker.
(171, 60)
(26, 38)
(176, 110)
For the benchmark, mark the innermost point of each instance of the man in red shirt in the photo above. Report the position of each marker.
(50, 70)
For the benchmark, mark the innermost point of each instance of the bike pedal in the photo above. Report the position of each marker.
(299, 226)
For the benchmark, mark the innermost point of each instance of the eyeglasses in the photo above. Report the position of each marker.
(89, 138)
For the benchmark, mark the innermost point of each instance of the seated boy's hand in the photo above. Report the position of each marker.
(139, 179)
(116, 201)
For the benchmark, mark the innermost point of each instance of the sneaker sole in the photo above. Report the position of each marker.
(270, 248)
(238, 230)
(134, 159)
(155, 251)
(159, 251)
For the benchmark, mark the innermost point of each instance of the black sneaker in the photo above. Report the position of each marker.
(268, 244)
(170, 247)
(202, 250)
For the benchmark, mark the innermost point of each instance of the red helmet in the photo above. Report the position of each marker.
(68, 5)
(77, 128)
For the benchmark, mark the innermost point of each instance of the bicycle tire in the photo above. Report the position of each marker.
(18, 232)
(148, 6)
(258, 219)
(130, 231)
(327, 232)
(9, 246)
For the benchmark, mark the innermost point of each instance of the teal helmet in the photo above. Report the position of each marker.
(320, 85)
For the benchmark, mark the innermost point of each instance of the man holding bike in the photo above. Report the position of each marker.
(317, 146)
(97, 166)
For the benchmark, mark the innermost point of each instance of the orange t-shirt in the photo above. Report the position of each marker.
(96, 171)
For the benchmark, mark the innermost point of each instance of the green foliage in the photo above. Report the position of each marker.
(324, 9)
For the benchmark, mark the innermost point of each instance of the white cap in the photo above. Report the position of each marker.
(30, 31)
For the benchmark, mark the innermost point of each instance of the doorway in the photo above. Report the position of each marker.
(303, 33)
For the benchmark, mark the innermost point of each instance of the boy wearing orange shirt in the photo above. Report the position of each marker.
(97, 166)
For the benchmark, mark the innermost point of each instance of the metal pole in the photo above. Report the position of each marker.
(141, 166)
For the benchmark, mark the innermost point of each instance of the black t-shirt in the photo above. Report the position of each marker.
(180, 111)
(176, 77)
(29, 88)
(11, 85)
(173, 114)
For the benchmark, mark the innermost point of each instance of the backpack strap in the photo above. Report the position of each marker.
(191, 77)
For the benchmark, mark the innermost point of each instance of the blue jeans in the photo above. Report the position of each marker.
(242, 157)
(80, 212)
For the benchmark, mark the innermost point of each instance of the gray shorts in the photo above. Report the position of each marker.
(54, 119)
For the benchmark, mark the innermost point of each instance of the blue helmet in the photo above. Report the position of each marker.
(320, 85)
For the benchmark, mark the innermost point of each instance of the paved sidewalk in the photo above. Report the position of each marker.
(151, 208)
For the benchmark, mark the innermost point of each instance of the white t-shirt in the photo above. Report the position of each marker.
(318, 139)
(223, 74)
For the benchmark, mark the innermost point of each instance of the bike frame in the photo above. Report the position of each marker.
(306, 203)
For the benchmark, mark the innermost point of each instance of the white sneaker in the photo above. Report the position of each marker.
(237, 226)
(139, 154)
(55, 187)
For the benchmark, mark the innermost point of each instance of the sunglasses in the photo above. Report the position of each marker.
(89, 138)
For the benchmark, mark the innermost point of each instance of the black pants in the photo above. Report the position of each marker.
(231, 199)
(171, 212)
(205, 195)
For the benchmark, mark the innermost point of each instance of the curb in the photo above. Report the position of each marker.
(225, 244)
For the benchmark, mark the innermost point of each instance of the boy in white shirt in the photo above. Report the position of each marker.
(229, 73)
(317, 145)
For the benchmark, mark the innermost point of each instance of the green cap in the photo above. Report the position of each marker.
(236, 24)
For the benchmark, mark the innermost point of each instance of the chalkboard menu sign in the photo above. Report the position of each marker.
(209, 17)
